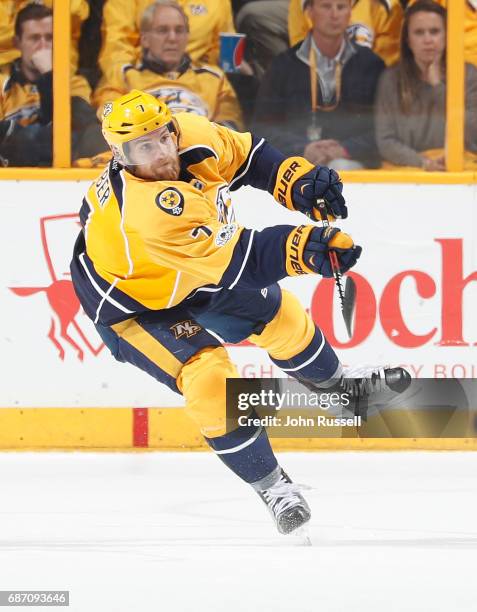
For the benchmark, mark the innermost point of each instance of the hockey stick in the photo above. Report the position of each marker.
(348, 296)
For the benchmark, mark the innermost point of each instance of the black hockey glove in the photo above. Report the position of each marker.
(308, 249)
(299, 185)
(321, 182)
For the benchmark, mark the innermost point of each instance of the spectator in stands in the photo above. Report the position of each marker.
(317, 98)
(166, 71)
(374, 23)
(470, 28)
(265, 22)
(26, 98)
(411, 100)
(121, 30)
(8, 11)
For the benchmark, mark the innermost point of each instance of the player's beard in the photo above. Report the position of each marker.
(169, 171)
(160, 171)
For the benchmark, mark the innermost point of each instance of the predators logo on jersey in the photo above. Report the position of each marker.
(180, 99)
(171, 201)
(198, 9)
(361, 34)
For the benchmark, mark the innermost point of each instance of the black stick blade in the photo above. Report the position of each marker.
(348, 305)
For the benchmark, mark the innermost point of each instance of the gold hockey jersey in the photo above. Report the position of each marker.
(20, 99)
(374, 23)
(122, 18)
(146, 245)
(199, 89)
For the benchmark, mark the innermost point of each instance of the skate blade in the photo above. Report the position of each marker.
(303, 535)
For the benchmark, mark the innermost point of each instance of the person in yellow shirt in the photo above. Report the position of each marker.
(121, 30)
(374, 23)
(161, 260)
(470, 28)
(26, 98)
(8, 11)
(167, 72)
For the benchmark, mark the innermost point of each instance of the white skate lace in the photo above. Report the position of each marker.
(283, 495)
(364, 380)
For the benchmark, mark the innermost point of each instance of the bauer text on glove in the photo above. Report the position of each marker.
(299, 185)
(308, 248)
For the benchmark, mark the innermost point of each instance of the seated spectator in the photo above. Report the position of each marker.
(26, 98)
(166, 71)
(265, 22)
(411, 99)
(317, 98)
(8, 11)
(470, 28)
(121, 30)
(374, 23)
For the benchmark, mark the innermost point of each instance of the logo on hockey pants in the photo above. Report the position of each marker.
(185, 328)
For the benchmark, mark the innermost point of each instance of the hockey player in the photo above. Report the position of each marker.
(160, 260)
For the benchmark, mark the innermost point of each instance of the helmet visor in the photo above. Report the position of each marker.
(149, 148)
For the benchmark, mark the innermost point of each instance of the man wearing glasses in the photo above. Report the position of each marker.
(167, 71)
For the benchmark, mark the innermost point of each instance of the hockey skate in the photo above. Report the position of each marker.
(286, 504)
(371, 379)
(376, 384)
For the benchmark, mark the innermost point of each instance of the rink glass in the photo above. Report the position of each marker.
(63, 50)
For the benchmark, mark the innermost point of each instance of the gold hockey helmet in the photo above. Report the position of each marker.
(130, 117)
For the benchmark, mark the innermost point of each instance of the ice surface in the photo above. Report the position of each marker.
(177, 532)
